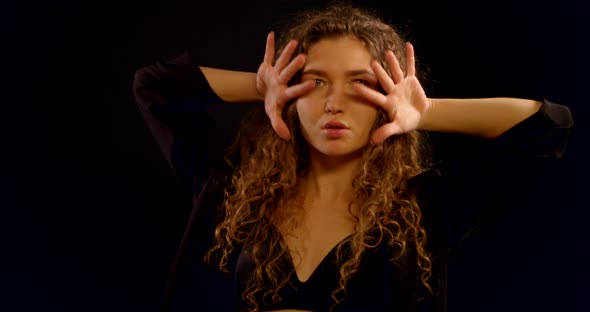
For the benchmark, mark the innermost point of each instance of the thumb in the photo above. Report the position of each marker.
(382, 133)
(279, 126)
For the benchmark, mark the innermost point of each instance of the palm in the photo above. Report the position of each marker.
(404, 100)
(410, 102)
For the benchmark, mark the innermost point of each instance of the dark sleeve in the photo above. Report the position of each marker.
(173, 97)
(480, 180)
(543, 135)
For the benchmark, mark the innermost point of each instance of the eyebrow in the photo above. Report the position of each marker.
(322, 73)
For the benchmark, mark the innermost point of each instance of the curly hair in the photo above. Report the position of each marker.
(263, 188)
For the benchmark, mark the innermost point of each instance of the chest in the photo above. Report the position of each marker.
(317, 232)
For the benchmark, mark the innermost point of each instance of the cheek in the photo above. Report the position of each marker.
(368, 115)
(303, 116)
(307, 111)
(304, 120)
(300, 111)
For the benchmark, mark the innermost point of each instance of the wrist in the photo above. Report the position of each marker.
(428, 115)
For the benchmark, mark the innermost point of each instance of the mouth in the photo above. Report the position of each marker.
(335, 125)
(335, 129)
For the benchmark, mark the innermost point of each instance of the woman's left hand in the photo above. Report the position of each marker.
(404, 101)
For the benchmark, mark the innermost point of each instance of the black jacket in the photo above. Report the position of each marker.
(461, 195)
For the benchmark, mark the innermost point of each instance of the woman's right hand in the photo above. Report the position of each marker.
(271, 82)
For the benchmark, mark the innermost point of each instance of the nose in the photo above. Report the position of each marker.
(335, 100)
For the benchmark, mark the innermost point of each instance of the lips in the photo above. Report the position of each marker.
(335, 129)
(335, 124)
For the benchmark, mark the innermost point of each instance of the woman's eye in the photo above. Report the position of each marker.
(318, 82)
(361, 81)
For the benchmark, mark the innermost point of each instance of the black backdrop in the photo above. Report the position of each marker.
(91, 215)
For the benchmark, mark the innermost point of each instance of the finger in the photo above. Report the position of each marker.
(294, 66)
(269, 52)
(279, 125)
(293, 92)
(396, 72)
(382, 133)
(410, 60)
(285, 56)
(299, 90)
(371, 95)
(382, 76)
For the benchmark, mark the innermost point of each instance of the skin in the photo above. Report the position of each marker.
(339, 82)
(344, 79)
(405, 102)
(272, 80)
(335, 66)
(335, 94)
(339, 68)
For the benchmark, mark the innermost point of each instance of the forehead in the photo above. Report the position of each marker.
(344, 52)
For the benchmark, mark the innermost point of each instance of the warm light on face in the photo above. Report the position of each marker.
(335, 120)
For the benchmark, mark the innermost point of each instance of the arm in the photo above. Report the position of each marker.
(232, 86)
(173, 97)
(408, 108)
(269, 84)
(171, 89)
(488, 117)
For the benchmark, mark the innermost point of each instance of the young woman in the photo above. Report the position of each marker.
(332, 205)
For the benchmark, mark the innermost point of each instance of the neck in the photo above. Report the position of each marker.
(330, 177)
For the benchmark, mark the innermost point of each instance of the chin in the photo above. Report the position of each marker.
(338, 148)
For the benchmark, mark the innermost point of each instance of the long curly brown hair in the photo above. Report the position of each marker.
(265, 182)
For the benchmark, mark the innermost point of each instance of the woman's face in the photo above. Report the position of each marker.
(335, 120)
